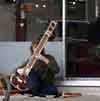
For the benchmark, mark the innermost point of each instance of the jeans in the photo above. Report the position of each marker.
(38, 86)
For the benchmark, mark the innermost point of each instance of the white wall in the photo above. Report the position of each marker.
(13, 54)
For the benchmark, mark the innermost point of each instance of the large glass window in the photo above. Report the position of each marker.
(82, 39)
(76, 9)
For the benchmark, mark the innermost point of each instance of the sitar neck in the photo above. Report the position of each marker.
(42, 43)
(45, 37)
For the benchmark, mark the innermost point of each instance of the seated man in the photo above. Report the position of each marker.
(41, 80)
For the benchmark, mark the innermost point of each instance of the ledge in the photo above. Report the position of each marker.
(80, 82)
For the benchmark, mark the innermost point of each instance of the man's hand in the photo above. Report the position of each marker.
(42, 58)
(20, 71)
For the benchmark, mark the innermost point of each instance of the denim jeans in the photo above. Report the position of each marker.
(38, 86)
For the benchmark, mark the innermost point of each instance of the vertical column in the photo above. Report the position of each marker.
(97, 8)
(64, 36)
(91, 9)
(20, 22)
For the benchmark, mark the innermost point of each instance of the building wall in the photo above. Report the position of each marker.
(7, 22)
(13, 54)
(37, 20)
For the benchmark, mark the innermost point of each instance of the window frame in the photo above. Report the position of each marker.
(74, 81)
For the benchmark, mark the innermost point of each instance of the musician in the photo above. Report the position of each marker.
(41, 80)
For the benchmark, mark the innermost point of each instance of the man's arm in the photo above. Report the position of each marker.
(50, 61)
(43, 58)
(53, 65)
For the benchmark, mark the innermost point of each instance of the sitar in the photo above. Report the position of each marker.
(18, 80)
